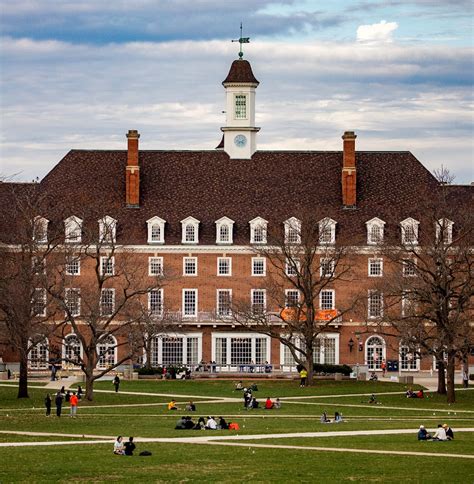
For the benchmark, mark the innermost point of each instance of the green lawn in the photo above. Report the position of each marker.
(111, 414)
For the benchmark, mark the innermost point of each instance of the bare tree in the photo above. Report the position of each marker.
(295, 303)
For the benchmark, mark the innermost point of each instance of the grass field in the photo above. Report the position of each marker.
(72, 449)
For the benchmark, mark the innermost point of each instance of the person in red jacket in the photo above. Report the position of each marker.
(73, 400)
(268, 404)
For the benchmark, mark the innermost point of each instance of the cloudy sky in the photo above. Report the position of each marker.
(78, 75)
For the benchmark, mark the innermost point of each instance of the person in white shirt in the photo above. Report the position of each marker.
(440, 433)
(211, 424)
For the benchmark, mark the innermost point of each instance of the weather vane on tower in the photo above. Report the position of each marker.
(242, 40)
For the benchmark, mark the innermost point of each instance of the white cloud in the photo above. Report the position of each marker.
(376, 33)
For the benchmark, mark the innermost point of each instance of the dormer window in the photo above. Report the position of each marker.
(292, 231)
(327, 231)
(190, 230)
(375, 228)
(107, 230)
(224, 230)
(73, 230)
(156, 230)
(40, 230)
(444, 231)
(409, 228)
(258, 231)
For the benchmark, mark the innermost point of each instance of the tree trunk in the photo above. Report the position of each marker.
(148, 355)
(450, 376)
(309, 366)
(441, 377)
(23, 383)
(465, 369)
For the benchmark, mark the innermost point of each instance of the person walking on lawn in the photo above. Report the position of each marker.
(73, 400)
(303, 377)
(116, 382)
(47, 404)
(59, 403)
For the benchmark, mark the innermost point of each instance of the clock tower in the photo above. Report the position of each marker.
(240, 132)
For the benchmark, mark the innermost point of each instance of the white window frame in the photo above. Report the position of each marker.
(108, 290)
(292, 291)
(252, 300)
(218, 308)
(219, 259)
(194, 223)
(332, 264)
(289, 268)
(373, 292)
(259, 259)
(63, 349)
(444, 225)
(40, 292)
(110, 346)
(69, 290)
(415, 367)
(158, 260)
(107, 230)
(325, 224)
(40, 230)
(158, 341)
(189, 259)
(380, 357)
(75, 259)
(292, 227)
(412, 224)
(380, 224)
(225, 222)
(196, 307)
(73, 230)
(333, 299)
(405, 266)
(151, 310)
(237, 114)
(255, 224)
(104, 265)
(374, 260)
(40, 364)
(152, 222)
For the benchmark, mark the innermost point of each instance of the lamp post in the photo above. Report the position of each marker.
(357, 335)
(351, 345)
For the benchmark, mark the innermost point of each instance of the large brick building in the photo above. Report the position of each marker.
(200, 214)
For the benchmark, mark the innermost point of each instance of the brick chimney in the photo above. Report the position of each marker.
(349, 170)
(132, 171)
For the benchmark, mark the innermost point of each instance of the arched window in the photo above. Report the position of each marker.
(189, 230)
(38, 356)
(224, 230)
(156, 230)
(72, 350)
(375, 352)
(408, 359)
(224, 233)
(107, 352)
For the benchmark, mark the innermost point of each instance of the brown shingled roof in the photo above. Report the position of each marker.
(240, 72)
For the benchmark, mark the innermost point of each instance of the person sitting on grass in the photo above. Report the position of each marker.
(118, 446)
(449, 432)
(223, 424)
(211, 424)
(201, 424)
(181, 424)
(189, 424)
(420, 394)
(129, 446)
(172, 405)
(238, 385)
(254, 387)
(373, 399)
(324, 418)
(254, 403)
(190, 407)
(423, 433)
(337, 417)
(440, 434)
(277, 404)
(410, 393)
(268, 404)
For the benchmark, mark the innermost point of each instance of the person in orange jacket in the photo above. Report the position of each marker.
(73, 400)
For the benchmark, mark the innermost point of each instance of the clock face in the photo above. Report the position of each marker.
(240, 140)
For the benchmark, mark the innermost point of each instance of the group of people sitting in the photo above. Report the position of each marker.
(124, 448)
(443, 433)
(186, 423)
(326, 419)
(411, 394)
(190, 407)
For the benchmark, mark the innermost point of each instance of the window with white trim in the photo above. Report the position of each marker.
(375, 304)
(190, 230)
(292, 298)
(224, 266)
(259, 266)
(259, 300)
(325, 350)
(72, 301)
(155, 302)
(179, 349)
(155, 266)
(258, 231)
(292, 231)
(38, 357)
(190, 303)
(72, 350)
(240, 349)
(39, 302)
(375, 267)
(189, 266)
(408, 359)
(326, 267)
(409, 267)
(107, 265)
(73, 266)
(40, 230)
(292, 267)
(156, 230)
(375, 352)
(107, 230)
(38, 265)
(409, 228)
(408, 304)
(107, 301)
(73, 230)
(240, 106)
(327, 231)
(224, 230)
(224, 302)
(375, 231)
(106, 352)
(326, 299)
(444, 231)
